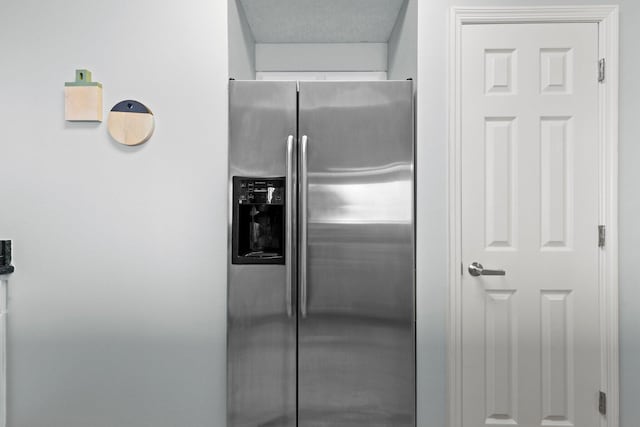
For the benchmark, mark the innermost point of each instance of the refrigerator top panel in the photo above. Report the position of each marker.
(262, 115)
(361, 151)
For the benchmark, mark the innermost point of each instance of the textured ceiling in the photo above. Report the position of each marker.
(321, 21)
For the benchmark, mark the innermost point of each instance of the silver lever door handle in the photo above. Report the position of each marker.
(304, 188)
(476, 269)
(290, 245)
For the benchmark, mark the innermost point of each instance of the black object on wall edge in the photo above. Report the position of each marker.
(5, 257)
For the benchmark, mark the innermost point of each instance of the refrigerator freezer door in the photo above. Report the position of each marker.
(261, 339)
(356, 338)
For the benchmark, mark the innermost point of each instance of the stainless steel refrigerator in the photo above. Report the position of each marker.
(321, 327)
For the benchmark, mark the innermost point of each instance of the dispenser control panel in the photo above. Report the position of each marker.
(260, 191)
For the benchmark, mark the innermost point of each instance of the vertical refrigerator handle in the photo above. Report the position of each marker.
(289, 233)
(303, 225)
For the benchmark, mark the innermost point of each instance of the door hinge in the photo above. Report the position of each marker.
(602, 235)
(601, 70)
(602, 403)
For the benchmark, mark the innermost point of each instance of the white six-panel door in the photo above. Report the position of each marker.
(529, 157)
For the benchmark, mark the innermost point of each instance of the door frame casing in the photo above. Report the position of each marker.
(607, 19)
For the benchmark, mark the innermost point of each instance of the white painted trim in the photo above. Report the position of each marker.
(609, 49)
(607, 18)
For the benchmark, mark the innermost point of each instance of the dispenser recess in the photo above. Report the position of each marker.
(258, 220)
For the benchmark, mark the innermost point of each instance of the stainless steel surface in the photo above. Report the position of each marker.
(356, 346)
(304, 214)
(355, 248)
(261, 340)
(476, 269)
(289, 233)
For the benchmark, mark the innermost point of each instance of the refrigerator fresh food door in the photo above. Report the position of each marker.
(356, 355)
(261, 341)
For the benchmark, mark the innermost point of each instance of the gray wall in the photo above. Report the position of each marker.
(117, 307)
(242, 46)
(432, 203)
(321, 57)
(403, 50)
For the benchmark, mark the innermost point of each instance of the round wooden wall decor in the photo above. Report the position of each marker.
(130, 123)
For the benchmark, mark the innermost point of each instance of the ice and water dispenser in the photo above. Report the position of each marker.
(258, 220)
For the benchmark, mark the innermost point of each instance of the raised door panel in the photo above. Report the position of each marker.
(500, 182)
